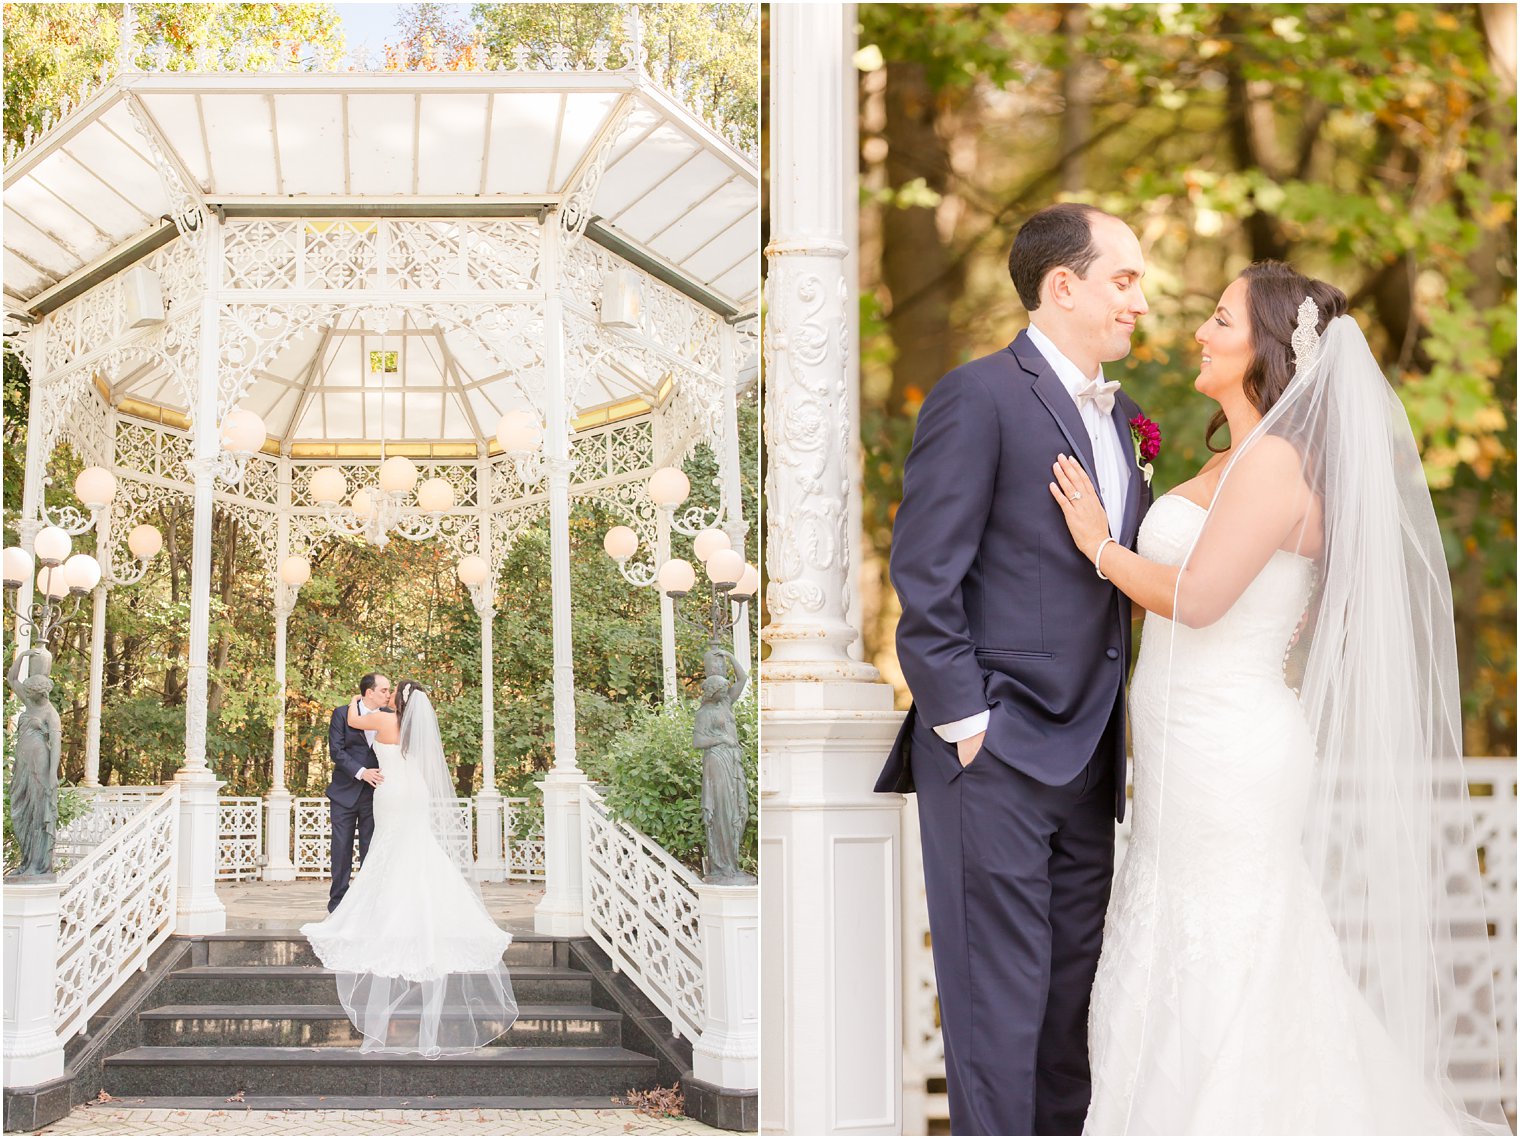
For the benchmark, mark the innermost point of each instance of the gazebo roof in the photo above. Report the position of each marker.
(673, 191)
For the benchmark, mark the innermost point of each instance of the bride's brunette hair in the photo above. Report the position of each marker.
(404, 692)
(1274, 291)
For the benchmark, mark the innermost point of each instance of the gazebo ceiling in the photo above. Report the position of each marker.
(672, 190)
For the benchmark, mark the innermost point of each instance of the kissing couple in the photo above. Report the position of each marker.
(417, 956)
(1275, 955)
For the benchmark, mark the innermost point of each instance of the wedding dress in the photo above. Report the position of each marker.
(418, 957)
(1295, 941)
(1261, 1030)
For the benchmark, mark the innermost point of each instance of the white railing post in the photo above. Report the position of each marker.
(727, 1054)
(33, 1048)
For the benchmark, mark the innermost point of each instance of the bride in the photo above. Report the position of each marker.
(417, 957)
(1280, 950)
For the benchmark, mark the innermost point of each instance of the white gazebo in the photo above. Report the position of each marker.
(376, 265)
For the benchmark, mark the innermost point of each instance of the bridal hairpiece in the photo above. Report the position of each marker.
(1306, 336)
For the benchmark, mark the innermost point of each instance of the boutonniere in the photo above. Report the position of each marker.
(1147, 439)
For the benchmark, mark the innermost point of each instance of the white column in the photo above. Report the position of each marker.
(562, 909)
(727, 1055)
(97, 687)
(37, 454)
(830, 905)
(199, 908)
(33, 1052)
(490, 856)
(667, 608)
(278, 866)
(731, 471)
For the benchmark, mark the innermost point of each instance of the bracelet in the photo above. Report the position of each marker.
(1098, 558)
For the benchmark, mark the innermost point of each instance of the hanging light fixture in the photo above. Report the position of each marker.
(377, 510)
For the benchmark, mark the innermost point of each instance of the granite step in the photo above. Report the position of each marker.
(178, 1071)
(312, 985)
(328, 1026)
(288, 947)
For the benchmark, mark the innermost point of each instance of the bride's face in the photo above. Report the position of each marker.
(1226, 341)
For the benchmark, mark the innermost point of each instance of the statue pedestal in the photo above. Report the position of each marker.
(32, 1051)
(728, 1053)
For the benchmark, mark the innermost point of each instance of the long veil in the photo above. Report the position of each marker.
(1329, 491)
(440, 986)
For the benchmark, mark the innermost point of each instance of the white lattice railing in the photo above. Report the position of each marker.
(116, 905)
(110, 809)
(641, 908)
(239, 837)
(524, 855)
(1491, 784)
(312, 834)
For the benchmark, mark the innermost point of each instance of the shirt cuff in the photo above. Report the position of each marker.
(953, 733)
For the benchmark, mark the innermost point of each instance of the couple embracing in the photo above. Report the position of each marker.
(415, 953)
(1273, 956)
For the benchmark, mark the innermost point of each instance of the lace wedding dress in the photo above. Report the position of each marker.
(1222, 1004)
(417, 956)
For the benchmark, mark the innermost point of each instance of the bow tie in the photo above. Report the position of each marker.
(1098, 393)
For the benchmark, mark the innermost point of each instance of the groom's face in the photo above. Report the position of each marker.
(1109, 300)
(380, 695)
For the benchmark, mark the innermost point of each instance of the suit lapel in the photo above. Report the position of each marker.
(1126, 409)
(1057, 400)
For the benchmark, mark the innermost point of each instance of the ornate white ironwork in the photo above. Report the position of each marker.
(187, 210)
(1492, 784)
(313, 833)
(240, 837)
(116, 906)
(524, 854)
(642, 909)
(110, 808)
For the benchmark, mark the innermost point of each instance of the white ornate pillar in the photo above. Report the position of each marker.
(37, 454)
(32, 1051)
(490, 862)
(831, 981)
(562, 909)
(670, 690)
(199, 908)
(97, 686)
(731, 472)
(278, 866)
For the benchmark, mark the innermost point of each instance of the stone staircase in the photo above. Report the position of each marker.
(252, 1014)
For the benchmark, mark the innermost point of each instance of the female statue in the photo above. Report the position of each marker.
(33, 791)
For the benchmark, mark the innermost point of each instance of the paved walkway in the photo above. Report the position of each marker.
(108, 1119)
(286, 905)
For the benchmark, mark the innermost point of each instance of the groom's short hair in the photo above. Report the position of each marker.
(368, 681)
(1057, 236)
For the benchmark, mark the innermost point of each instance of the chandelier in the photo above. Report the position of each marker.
(377, 510)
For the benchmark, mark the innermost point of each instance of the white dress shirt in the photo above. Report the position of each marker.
(1112, 480)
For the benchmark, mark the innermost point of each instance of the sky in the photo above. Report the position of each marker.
(370, 25)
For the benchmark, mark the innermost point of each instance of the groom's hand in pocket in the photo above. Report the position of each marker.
(968, 749)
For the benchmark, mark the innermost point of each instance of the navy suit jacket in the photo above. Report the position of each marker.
(351, 753)
(1000, 610)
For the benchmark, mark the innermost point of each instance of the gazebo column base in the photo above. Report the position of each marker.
(562, 912)
(278, 867)
(490, 866)
(198, 909)
(830, 901)
(727, 1054)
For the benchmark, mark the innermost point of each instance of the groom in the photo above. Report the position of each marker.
(1016, 653)
(356, 774)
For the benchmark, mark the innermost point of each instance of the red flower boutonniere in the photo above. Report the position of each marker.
(1147, 439)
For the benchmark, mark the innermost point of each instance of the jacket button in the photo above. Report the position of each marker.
(1113, 654)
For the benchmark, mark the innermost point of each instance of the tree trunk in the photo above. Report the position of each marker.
(913, 251)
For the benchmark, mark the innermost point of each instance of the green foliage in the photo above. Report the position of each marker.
(1372, 145)
(654, 780)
